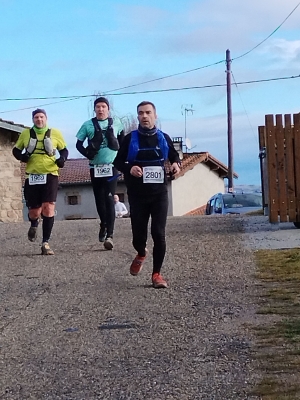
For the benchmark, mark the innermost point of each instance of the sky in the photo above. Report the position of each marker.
(77, 49)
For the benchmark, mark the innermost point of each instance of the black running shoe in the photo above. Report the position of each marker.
(102, 234)
(32, 233)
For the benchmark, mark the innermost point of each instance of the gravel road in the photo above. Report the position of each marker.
(77, 325)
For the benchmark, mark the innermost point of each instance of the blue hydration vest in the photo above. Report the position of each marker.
(134, 148)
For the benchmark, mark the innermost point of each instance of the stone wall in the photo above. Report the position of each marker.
(11, 206)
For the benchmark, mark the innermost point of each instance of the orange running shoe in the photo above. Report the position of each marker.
(137, 264)
(158, 281)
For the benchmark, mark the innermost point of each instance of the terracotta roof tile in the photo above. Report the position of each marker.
(76, 170)
(197, 211)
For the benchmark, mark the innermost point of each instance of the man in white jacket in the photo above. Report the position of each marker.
(120, 207)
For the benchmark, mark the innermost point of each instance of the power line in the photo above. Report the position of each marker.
(236, 85)
(203, 87)
(110, 91)
(39, 105)
(46, 98)
(255, 47)
(70, 98)
(209, 65)
(167, 76)
(156, 79)
(153, 91)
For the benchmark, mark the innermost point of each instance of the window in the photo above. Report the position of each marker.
(210, 206)
(72, 200)
(242, 200)
(218, 204)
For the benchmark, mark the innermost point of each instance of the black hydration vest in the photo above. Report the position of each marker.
(48, 146)
(98, 135)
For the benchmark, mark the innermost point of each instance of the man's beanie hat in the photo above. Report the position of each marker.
(101, 100)
(37, 111)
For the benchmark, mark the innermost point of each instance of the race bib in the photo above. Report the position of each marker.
(37, 179)
(153, 174)
(103, 170)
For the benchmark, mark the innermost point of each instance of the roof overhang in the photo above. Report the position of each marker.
(11, 127)
(216, 165)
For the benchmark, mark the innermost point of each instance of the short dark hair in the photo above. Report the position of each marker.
(145, 103)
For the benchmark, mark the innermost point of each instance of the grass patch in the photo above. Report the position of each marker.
(255, 213)
(278, 343)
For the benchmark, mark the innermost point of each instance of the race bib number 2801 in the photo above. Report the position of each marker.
(153, 174)
(37, 179)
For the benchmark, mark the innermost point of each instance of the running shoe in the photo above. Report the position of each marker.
(46, 250)
(32, 233)
(158, 281)
(108, 244)
(102, 234)
(137, 264)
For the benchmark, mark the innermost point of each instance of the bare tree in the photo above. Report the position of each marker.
(129, 123)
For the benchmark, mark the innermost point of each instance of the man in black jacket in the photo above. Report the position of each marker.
(141, 158)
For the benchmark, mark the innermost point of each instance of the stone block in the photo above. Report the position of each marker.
(17, 205)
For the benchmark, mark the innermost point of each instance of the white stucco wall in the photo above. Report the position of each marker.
(86, 208)
(194, 189)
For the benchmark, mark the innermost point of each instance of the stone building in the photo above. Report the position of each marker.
(11, 206)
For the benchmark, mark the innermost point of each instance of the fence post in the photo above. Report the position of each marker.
(290, 167)
(272, 168)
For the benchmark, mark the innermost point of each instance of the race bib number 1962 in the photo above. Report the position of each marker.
(153, 174)
(103, 170)
(37, 179)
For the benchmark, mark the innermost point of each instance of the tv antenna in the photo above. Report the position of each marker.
(185, 109)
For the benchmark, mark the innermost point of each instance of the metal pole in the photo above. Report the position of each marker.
(229, 122)
(185, 111)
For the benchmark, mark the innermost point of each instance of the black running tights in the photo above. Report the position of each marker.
(141, 208)
(104, 190)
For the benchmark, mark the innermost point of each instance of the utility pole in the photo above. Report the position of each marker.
(229, 122)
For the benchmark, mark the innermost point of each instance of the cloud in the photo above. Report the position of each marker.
(147, 18)
(286, 53)
(214, 26)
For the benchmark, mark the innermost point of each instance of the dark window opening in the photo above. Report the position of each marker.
(72, 200)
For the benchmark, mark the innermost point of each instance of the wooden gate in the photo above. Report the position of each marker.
(279, 145)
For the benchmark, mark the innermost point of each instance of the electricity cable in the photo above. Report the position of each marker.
(164, 77)
(271, 34)
(152, 91)
(69, 98)
(236, 85)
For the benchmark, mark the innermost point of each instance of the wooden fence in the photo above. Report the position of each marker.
(279, 144)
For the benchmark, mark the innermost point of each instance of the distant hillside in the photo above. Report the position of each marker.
(246, 188)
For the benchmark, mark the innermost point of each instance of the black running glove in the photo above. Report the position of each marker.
(60, 162)
(24, 157)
